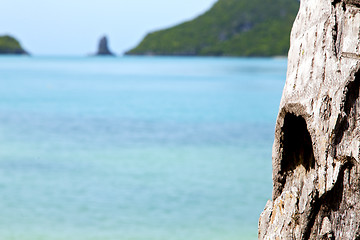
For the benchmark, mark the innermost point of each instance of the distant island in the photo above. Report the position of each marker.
(229, 28)
(103, 48)
(9, 45)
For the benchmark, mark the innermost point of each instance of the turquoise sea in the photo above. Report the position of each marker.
(136, 148)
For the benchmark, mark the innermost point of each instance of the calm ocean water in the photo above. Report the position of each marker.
(136, 148)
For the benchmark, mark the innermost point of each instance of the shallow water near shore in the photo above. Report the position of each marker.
(136, 148)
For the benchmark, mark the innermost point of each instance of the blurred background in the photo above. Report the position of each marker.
(73, 27)
(141, 120)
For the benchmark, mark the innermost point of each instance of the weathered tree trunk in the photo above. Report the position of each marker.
(316, 171)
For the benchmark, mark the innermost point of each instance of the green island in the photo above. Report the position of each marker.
(9, 45)
(229, 28)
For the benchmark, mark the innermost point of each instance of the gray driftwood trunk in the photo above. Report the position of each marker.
(316, 171)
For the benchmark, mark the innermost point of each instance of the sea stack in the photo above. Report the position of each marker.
(316, 171)
(103, 49)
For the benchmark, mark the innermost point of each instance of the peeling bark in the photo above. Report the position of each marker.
(316, 156)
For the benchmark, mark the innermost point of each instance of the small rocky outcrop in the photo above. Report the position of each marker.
(103, 49)
(316, 152)
(10, 45)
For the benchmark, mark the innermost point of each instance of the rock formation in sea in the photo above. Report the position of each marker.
(10, 45)
(103, 49)
(316, 152)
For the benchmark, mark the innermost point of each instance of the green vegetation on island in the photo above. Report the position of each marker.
(229, 28)
(9, 45)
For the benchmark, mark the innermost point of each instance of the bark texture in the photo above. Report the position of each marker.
(316, 171)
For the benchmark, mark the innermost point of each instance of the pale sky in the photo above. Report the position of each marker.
(73, 27)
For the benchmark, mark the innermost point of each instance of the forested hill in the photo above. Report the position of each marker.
(229, 28)
(9, 45)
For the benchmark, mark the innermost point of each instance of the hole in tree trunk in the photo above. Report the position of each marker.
(297, 144)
